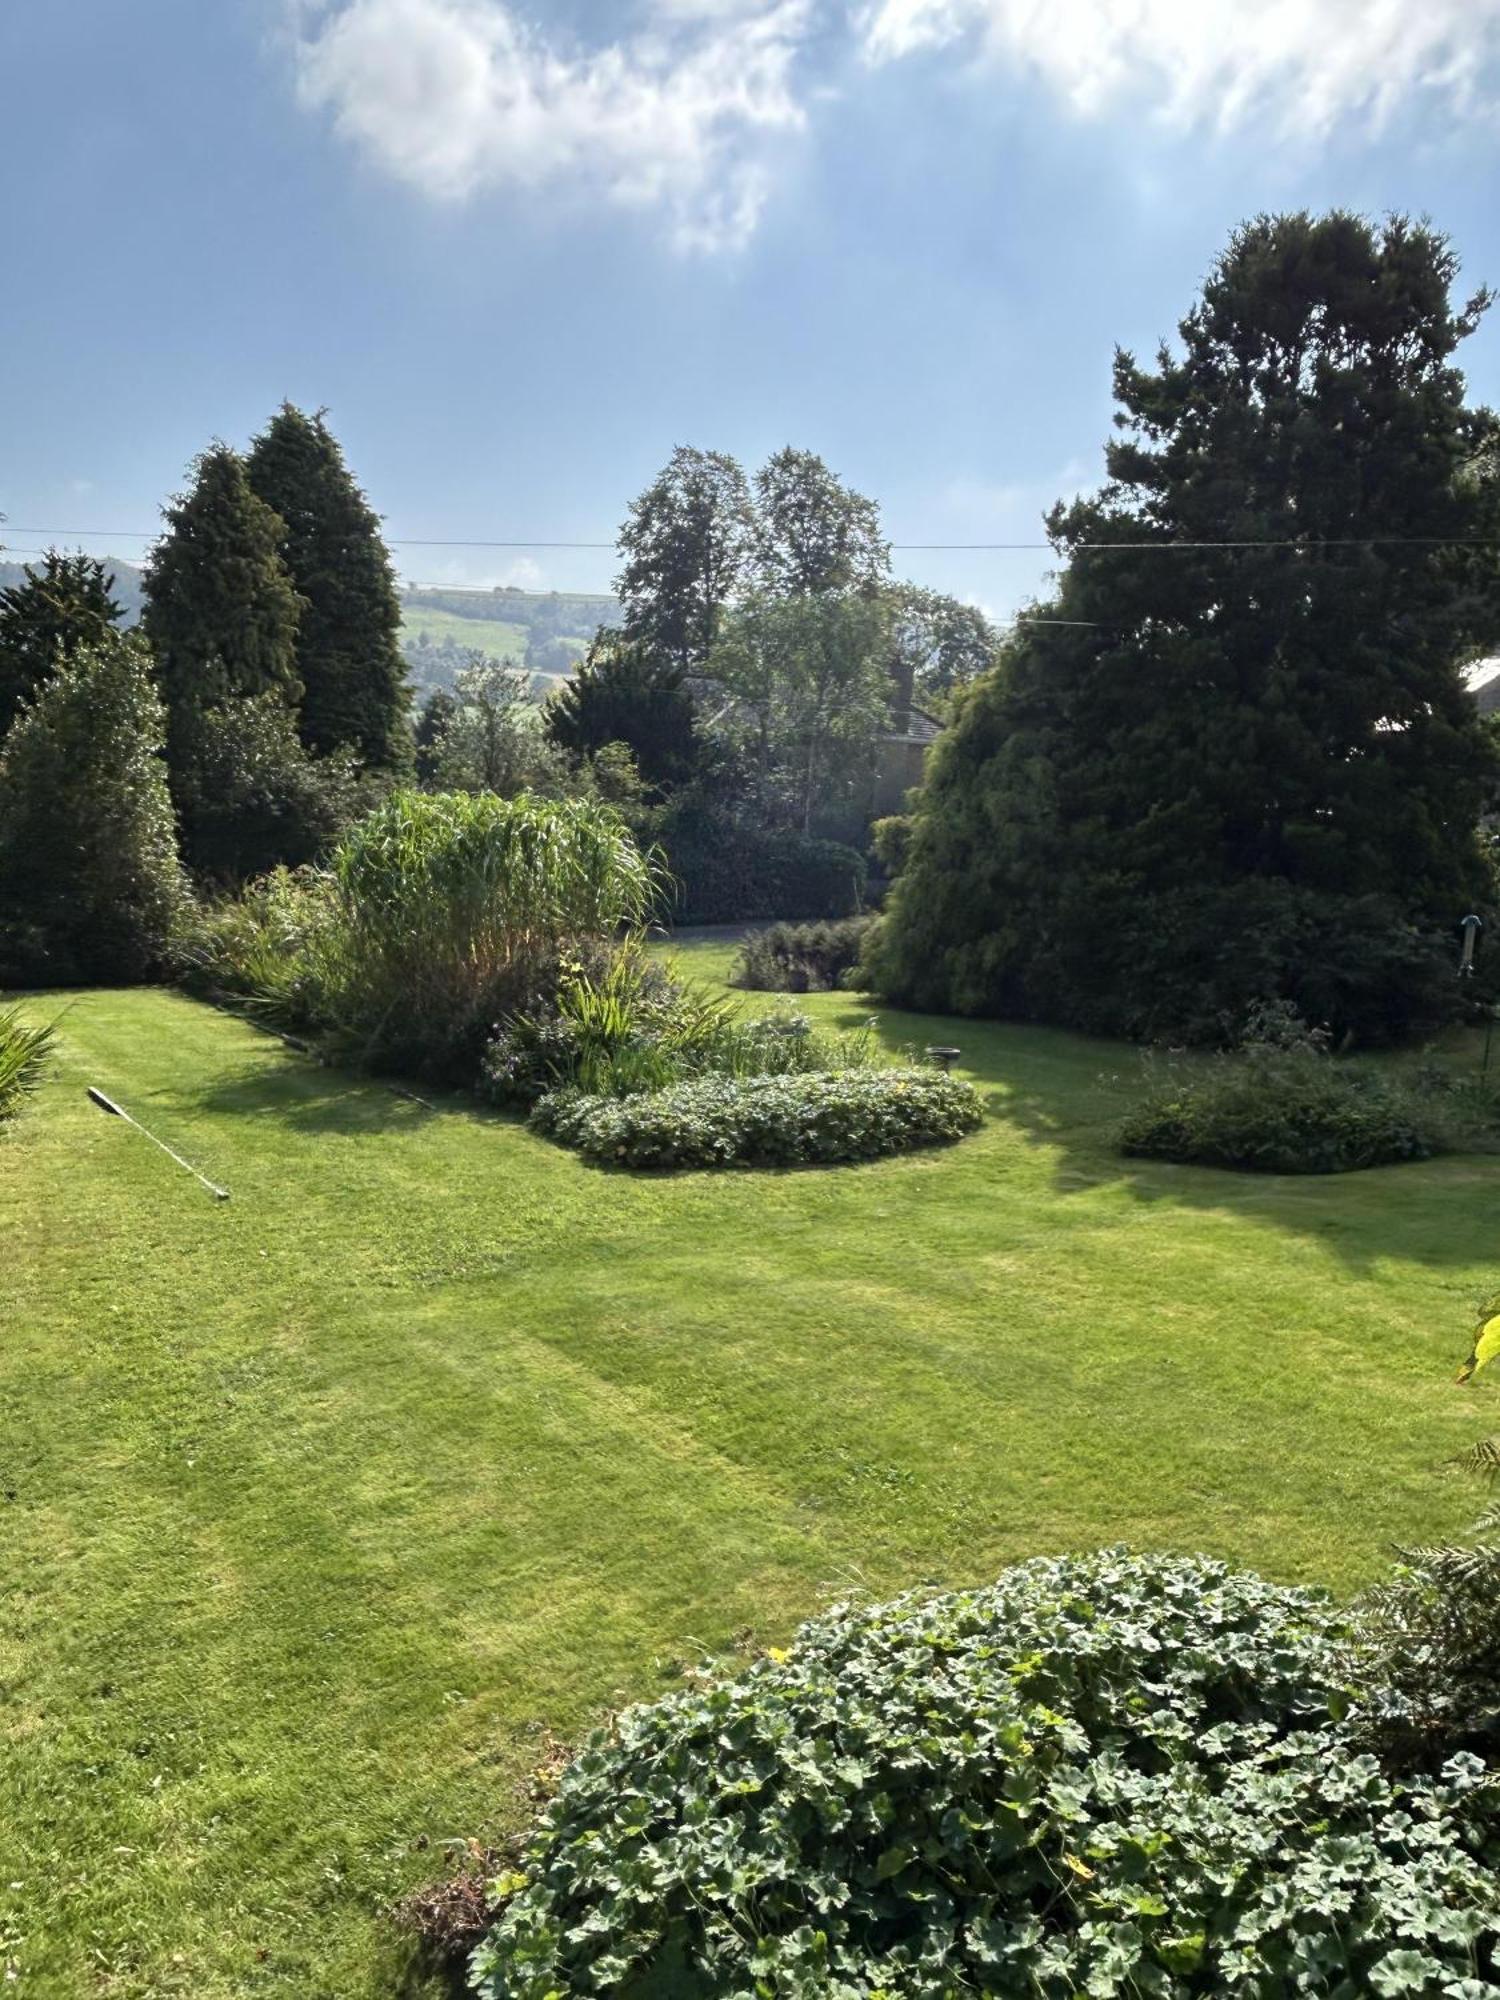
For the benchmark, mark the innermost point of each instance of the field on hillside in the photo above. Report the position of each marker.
(321, 1505)
(486, 635)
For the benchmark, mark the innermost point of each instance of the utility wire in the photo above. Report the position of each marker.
(1165, 546)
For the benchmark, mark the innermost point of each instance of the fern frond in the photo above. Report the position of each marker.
(1482, 1458)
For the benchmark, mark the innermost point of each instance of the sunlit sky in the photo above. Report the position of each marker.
(520, 251)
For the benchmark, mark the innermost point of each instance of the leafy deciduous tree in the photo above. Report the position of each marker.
(938, 644)
(815, 535)
(492, 740)
(811, 686)
(686, 543)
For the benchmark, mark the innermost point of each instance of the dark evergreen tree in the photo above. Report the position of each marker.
(436, 713)
(89, 881)
(221, 611)
(65, 605)
(1253, 770)
(815, 535)
(623, 692)
(251, 796)
(687, 543)
(348, 654)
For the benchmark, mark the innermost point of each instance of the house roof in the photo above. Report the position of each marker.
(920, 727)
(1483, 682)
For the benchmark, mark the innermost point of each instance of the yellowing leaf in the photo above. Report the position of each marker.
(1079, 1868)
(1486, 1347)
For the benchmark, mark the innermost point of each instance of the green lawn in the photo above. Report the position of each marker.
(318, 1506)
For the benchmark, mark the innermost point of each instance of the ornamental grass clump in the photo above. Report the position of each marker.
(448, 908)
(1110, 1775)
(437, 916)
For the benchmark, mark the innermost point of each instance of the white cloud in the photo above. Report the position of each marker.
(455, 96)
(1301, 66)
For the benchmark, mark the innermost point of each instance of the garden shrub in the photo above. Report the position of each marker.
(729, 873)
(1298, 1110)
(25, 1051)
(790, 1120)
(90, 884)
(801, 958)
(1104, 1775)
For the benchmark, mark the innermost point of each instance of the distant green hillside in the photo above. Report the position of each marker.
(543, 630)
(421, 627)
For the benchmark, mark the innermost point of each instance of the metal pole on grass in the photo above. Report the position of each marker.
(118, 1111)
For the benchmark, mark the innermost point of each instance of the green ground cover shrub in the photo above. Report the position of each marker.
(789, 1120)
(1106, 1775)
(25, 1051)
(1282, 1104)
(801, 958)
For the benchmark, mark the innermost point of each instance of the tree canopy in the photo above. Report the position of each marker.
(815, 535)
(221, 610)
(625, 692)
(45, 621)
(687, 542)
(348, 650)
(89, 880)
(810, 683)
(1247, 765)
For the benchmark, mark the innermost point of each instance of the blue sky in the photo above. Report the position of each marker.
(520, 248)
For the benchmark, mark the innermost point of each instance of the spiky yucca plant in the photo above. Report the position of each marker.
(24, 1053)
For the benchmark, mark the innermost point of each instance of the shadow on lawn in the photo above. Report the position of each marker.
(1067, 1096)
(311, 1098)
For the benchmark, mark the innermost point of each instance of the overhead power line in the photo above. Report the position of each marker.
(1163, 546)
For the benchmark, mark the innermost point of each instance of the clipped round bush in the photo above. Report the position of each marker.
(1106, 1775)
(783, 1121)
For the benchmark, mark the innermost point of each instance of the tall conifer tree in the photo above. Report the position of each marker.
(221, 611)
(44, 622)
(349, 638)
(1245, 766)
